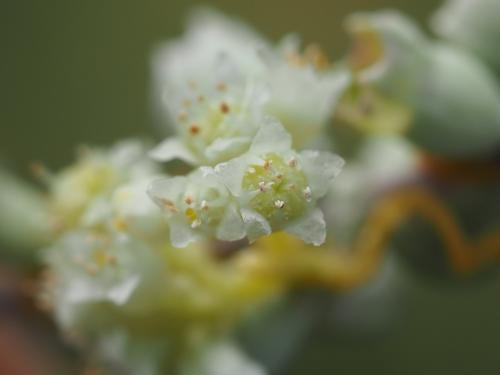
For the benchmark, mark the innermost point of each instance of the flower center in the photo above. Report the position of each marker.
(281, 190)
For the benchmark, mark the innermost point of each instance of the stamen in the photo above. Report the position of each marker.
(182, 117)
(221, 87)
(307, 194)
(194, 129)
(204, 205)
(168, 204)
(224, 108)
(279, 203)
(196, 223)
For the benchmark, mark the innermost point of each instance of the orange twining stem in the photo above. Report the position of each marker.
(289, 259)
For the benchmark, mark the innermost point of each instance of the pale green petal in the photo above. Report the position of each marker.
(225, 148)
(231, 174)
(173, 148)
(82, 291)
(310, 229)
(164, 190)
(256, 225)
(271, 137)
(231, 227)
(320, 168)
(181, 235)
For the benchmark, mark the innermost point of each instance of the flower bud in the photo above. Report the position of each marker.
(472, 24)
(451, 99)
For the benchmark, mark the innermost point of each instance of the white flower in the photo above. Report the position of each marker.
(277, 188)
(304, 89)
(219, 80)
(195, 56)
(216, 121)
(89, 268)
(197, 205)
(80, 194)
(134, 213)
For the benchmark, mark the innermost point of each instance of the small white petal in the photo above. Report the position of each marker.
(121, 293)
(226, 148)
(172, 148)
(320, 168)
(231, 174)
(181, 235)
(164, 190)
(310, 229)
(256, 225)
(271, 137)
(231, 227)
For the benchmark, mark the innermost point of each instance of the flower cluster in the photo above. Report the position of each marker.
(270, 187)
(111, 269)
(249, 119)
(240, 112)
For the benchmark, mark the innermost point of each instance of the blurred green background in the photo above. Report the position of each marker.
(76, 72)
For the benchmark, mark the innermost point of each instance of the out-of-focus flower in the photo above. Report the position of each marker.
(382, 164)
(119, 295)
(447, 98)
(219, 80)
(277, 188)
(472, 24)
(133, 212)
(88, 268)
(80, 195)
(291, 73)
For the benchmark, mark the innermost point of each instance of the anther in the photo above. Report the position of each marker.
(168, 204)
(194, 129)
(221, 87)
(279, 203)
(307, 194)
(196, 223)
(204, 205)
(224, 108)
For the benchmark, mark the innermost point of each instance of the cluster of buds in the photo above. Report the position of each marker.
(443, 98)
